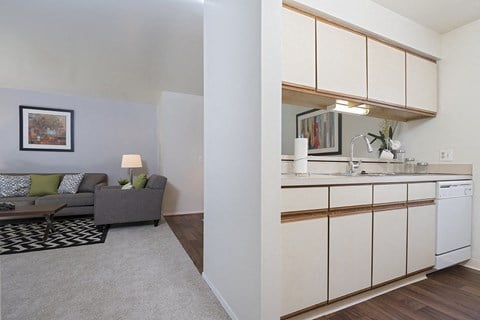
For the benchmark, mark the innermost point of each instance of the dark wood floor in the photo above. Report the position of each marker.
(189, 231)
(453, 293)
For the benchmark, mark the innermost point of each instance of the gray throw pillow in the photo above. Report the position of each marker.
(14, 186)
(70, 183)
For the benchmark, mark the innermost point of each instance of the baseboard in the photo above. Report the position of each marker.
(220, 298)
(181, 213)
(472, 264)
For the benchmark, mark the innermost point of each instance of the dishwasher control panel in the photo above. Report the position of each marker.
(453, 189)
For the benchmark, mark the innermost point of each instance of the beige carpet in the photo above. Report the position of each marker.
(140, 272)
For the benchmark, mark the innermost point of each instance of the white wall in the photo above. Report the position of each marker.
(456, 125)
(242, 147)
(122, 50)
(373, 18)
(352, 125)
(103, 131)
(181, 151)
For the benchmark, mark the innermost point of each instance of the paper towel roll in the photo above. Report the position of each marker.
(300, 164)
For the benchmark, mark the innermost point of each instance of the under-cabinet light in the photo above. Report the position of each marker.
(360, 109)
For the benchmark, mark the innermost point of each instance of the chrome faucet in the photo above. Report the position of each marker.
(354, 165)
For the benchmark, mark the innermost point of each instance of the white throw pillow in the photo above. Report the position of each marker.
(14, 186)
(127, 186)
(70, 183)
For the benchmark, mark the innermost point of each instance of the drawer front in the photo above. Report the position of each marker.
(421, 191)
(308, 198)
(347, 196)
(388, 193)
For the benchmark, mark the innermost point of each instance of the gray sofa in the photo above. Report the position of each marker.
(80, 203)
(114, 205)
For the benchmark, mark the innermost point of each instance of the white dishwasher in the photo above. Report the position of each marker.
(454, 222)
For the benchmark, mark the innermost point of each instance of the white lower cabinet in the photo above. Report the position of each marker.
(389, 245)
(350, 254)
(304, 264)
(421, 237)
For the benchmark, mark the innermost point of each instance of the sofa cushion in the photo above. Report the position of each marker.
(156, 182)
(20, 201)
(90, 180)
(44, 184)
(140, 181)
(72, 200)
(14, 186)
(70, 183)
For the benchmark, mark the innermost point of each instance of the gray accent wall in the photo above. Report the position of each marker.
(104, 130)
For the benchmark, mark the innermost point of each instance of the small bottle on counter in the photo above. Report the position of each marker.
(410, 165)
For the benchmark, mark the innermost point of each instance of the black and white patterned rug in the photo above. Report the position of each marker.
(18, 237)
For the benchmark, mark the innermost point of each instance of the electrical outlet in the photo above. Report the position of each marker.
(446, 154)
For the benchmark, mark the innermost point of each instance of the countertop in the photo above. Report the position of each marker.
(329, 179)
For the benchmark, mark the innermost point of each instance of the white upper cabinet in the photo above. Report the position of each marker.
(386, 73)
(341, 61)
(421, 83)
(298, 49)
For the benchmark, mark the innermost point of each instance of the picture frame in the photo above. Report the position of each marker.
(323, 129)
(46, 129)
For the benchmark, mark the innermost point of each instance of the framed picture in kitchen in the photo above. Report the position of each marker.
(323, 129)
(46, 129)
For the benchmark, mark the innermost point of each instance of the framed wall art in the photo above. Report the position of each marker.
(323, 129)
(46, 129)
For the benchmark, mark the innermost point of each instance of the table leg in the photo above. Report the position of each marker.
(49, 226)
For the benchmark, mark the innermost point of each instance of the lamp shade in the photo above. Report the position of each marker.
(131, 161)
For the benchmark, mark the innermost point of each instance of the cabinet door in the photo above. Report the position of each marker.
(350, 254)
(389, 193)
(421, 83)
(308, 198)
(298, 49)
(421, 238)
(389, 245)
(386, 73)
(304, 264)
(421, 191)
(348, 196)
(341, 61)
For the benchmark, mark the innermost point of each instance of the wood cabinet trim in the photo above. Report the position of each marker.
(420, 56)
(388, 44)
(312, 99)
(389, 206)
(296, 313)
(389, 282)
(419, 109)
(349, 295)
(335, 94)
(420, 203)
(299, 11)
(295, 85)
(420, 271)
(293, 216)
(347, 211)
(334, 24)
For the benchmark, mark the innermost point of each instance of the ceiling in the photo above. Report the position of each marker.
(126, 50)
(439, 15)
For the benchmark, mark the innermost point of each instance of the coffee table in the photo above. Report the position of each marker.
(41, 210)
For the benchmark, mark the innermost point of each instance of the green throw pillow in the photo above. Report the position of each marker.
(44, 184)
(140, 181)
